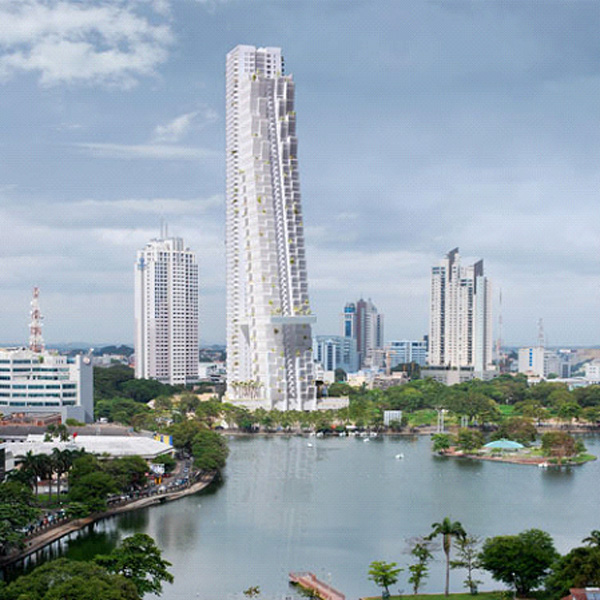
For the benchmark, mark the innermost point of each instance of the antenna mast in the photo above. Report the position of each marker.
(36, 341)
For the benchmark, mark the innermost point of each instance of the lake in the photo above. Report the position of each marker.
(335, 507)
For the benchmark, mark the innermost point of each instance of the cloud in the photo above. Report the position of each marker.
(179, 127)
(145, 151)
(71, 42)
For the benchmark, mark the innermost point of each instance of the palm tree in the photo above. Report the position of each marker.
(30, 464)
(62, 461)
(447, 529)
(593, 539)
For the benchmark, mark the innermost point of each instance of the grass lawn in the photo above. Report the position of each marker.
(507, 410)
(426, 416)
(479, 596)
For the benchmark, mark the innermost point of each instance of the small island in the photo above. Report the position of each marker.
(556, 448)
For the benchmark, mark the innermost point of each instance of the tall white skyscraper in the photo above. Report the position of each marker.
(166, 312)
(460, 326)
(269, 355)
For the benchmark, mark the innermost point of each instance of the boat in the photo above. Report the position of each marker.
(543, 465)
(399, 456)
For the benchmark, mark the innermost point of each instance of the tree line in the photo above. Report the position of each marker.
(524, 562)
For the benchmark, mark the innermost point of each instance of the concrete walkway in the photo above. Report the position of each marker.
(59, 531)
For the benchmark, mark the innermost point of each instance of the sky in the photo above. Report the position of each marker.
(422, 126)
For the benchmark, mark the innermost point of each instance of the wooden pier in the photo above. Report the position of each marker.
(309, 581)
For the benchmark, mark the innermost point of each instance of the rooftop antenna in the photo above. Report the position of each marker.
(36, 341)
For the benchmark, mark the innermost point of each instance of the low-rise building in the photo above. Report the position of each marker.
(46, 382)
(407, 351)
(336, 352)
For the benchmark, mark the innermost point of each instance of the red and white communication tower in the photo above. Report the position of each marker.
(36, 341)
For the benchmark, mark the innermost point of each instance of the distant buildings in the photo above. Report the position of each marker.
(537, 361)
(460, 326)
(166, 312)
(407, 351)
(269, 354)
(45, 382)
(362, 322)
(336, 352)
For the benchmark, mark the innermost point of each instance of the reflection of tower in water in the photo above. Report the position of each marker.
(281, 508)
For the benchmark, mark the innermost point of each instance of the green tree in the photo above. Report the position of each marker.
(578, 569)
(522, 560)
(469, 440)
(384, 574)
(559, 444)
(448, 530)
(518, 429)
(593, 539)
(128, 472)
(138, 559)
(183, 434)
(468, 559)
(92, 490)
(17, 511)
(66, 579)
(419, 571)
(442, 442)
(209, 450)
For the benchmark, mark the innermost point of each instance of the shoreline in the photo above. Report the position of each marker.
(50, 536)
(538, 461)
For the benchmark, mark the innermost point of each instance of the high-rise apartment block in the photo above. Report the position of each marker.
(362, 322)
(269, 338)
(460, 327)
(407, 351)
(166, 312)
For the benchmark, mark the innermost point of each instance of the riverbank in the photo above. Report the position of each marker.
(49, 536)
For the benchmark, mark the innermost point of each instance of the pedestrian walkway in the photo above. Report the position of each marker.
(309, 581)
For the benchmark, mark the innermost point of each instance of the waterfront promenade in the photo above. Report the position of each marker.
(61, 529)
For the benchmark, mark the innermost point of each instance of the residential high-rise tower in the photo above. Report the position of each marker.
(166, 312)
(460, 325)
(269, 354)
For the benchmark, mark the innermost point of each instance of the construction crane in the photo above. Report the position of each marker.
(36, 341)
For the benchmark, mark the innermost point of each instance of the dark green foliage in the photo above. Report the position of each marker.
(209, 450)
(92, 490)
(560, 444)
(469, 440)
(138, 559)
(521, 561)
(518, 429)
(128, 472)
(109, 382)
(579, 568)
(183, 434)
(65, 579)
(17, 512)
(119, 410)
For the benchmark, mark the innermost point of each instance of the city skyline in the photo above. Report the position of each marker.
(423, 127)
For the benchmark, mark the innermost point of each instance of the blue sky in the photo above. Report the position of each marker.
(422, 126)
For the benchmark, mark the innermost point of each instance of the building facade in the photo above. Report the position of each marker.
(407, 351)
(336, 352)
(166, 312)
(44, 382)
(460, 325)
(362, 322)
(269, 319)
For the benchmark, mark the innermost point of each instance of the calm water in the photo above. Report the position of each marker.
(337, 506)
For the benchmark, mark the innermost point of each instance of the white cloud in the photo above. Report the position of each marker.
(157, 151)
(64, 41)
(179, 127)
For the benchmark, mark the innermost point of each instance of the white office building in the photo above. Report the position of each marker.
(269, 338)
(166, 312)
(460, 327)
(43, 382)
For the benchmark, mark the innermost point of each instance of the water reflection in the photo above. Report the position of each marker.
(334, 507)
